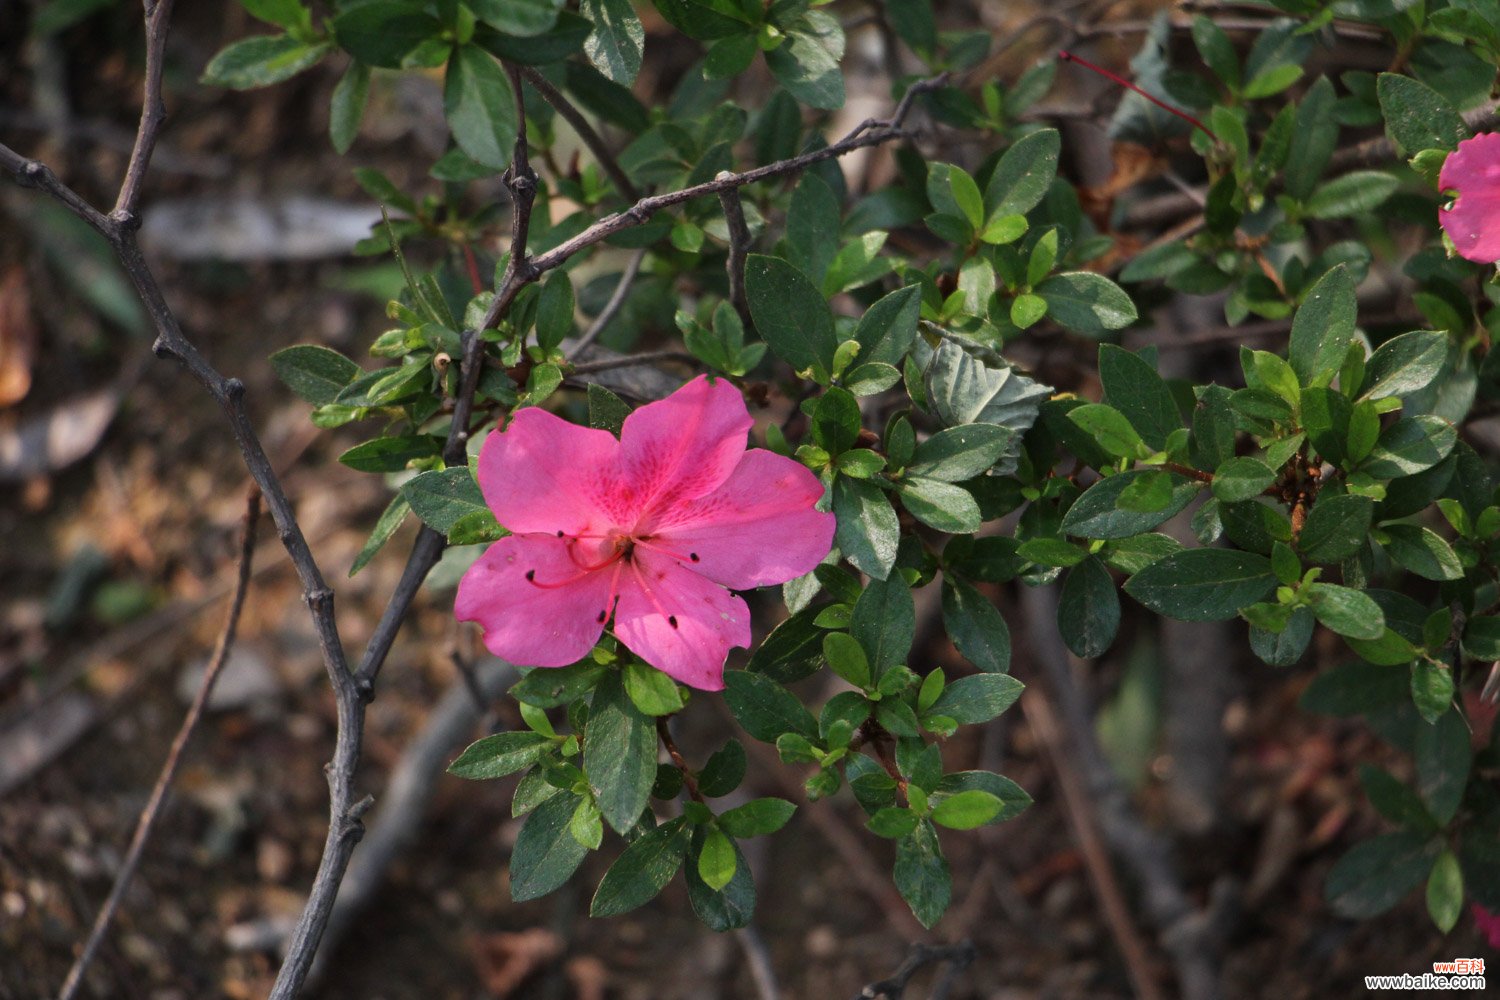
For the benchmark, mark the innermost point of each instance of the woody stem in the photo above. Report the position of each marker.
(689, 780)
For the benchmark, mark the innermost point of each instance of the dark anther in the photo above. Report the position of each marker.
(559, 534)
(672, 620)
(531, 576)
(602, 616)
(693, 556)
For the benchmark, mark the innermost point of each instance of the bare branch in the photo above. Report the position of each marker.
(149, 815)
(958, 957)
(739, 246)
(153, 111)
(591, 138)
(646, 358)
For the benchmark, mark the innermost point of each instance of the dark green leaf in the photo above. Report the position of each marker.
(1422, 551)
(724, 771)
(1202, 584)
(261, 61)
(1443, 761)
(1336, 527)
(317, 374)
(1410, 445)
(618, 40)
(763, 708)
(1242, 478)
(729, 907)
(347, 106)
(619, 753)
(1013, 796)
(940, 505)
(442, 496)
(977, 698)
(868, 530)
(791, 314)
(390, 454)
(384, 32)
(652, 691)
(792, 650)
(1097, 513)
(1374, 874)
(1351, 194)
(1132, 386)
(545, 854)
(1404, 364)
(499, 755)
(1416, 116)
(960, 453)
(1023, 175)
(479, 106)
(836, 421)
(807, 63)
(757, 817)
(391, 519)
(885, 623)
(607, 412)
(1087, 303)
(642, 870)
(976, 627)
(1088, 609)
(887, 329)
(921, 874)
(517, 17)
(1323, 328)
(548, 687)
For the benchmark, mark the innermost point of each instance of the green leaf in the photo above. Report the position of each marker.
(846, 657)
(807, 63)
(1374, 874)
(619, 753)
(499, 755)
(1443, 760)
(726, 908)
(868, 530)
(1347, 611)
(347, 106)
(1109, 428)
(1416, 116)
(554, 311)
(960, 453)
(885, 623)
(1313, 140)
(262, 61)
(836, 421)
(607, 412)
(1422, 551)
(479, 106)
(1323, 328)
(1432, 687)
(1410, 445)
(1351, 194)
(1132, 386)
(887, 329)
(1024, 174)
(546, 854)
(1088, 609)
(757, 817)
(384, 32)
(390, 454)
(1336, 527)
(1392, 799)
(966, 810)
(940, 505)
(791, 314)
(977, 698)
(391, 519)
(963, 389)
(717, 861)
(517, 17)
(317, 374)
(975, 625)
(1404, 364)
(642, 870)
(443, 496)
(893, 822)
(1242, 478)
(548, 687)
(652, 691)
(1098, 514)
(1482, 637)
(616, 44)
(763, 708)
(1202, 584)
(791, 651)
(1087, 303)
(1012, 796)
(921, 874)
(1445, 892)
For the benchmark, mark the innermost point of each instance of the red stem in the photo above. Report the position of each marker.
(1067, 56)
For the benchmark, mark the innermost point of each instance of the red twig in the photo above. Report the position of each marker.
(1067, 56)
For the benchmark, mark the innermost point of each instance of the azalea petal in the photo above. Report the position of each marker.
(1473, 223)
(757, 529)
(544, 474)
(681, 623)
(682, 447)
(534, 623)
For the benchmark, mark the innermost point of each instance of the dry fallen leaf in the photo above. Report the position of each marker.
(505, 960)
(57, 438)
(17, 337)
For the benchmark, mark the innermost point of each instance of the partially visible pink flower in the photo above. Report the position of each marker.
(650, 529)
(1489, 924)
(1473, 222)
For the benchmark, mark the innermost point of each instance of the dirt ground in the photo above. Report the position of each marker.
(113, 572)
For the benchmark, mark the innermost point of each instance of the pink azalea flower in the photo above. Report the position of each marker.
(1489, 924)
(1473, 221)
(650, 528)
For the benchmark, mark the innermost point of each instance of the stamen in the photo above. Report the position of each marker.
(691, 556)
(651, 595)
(672, 620)
(1067, 56)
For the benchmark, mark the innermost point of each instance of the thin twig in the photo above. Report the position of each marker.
(759, 960)
(689, 780)
(739, 247)
(591, 138)
(149, 815)
(153, 112)
(631, 361)
(957, 957)
(616, 300)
